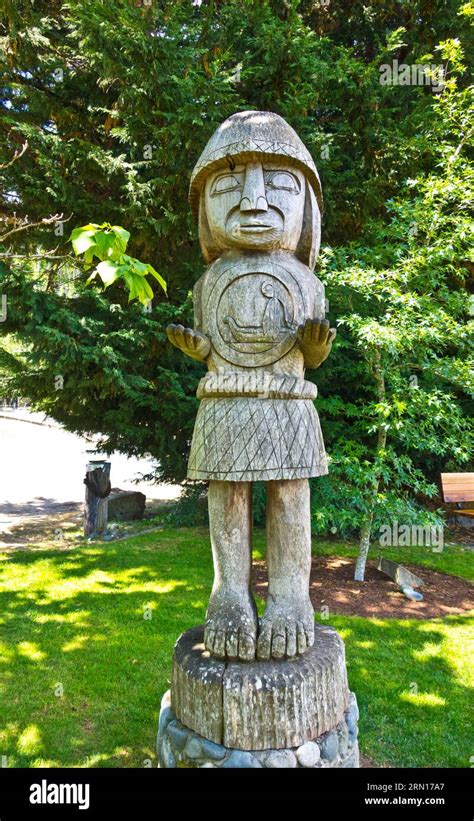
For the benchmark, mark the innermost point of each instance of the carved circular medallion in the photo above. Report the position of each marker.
(252, 315)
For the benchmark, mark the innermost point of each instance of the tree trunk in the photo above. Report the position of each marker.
(364, 545)
(366, 529)
(97, 484)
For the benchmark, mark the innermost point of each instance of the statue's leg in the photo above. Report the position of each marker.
(231, 618)
(287, 628)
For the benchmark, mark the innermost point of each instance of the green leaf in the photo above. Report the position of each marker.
(130, 281)
(157, 276)
(122, 236)
(108, 271)
(105, 243)
(82, 240)
(147, 290)
(137, 267)
(108, 244)
(90, 253)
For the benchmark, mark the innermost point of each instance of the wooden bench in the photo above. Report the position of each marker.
(458, 488)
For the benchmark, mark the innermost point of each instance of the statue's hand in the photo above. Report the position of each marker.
(315, 340)
(192, 343)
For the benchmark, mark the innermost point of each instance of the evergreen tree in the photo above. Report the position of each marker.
(107, 105)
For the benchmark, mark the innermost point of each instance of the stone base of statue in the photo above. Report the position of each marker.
(293, 713)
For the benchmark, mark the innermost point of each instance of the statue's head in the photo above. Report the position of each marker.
(255, 187)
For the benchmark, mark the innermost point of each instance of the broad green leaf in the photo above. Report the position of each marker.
(108, 272)
(137, 267)
(130, 280)
(82, 240)
(147, 290)
(139, 289)
(90, 253)
(105, 242)
(157, 276)
(122, 235)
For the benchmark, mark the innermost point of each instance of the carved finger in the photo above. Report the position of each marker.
(308, 331)
(179, 335)
(170, 333)
(323, 330)
(189, 338)
(331, 336)
(202, 343)
(315, 330)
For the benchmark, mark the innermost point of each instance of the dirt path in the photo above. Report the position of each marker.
(41, 520)
(44, 523)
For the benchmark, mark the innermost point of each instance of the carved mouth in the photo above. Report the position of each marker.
(260, 227)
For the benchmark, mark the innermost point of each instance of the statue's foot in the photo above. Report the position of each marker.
(286, 629)
(230, 631)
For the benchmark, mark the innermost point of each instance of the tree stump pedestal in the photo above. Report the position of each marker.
(297, 712)
(98, 487)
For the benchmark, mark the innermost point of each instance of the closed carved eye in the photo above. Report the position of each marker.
(227, 182)
(282, 179)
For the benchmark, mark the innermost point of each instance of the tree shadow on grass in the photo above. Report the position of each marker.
(410, 684)
(88, 637)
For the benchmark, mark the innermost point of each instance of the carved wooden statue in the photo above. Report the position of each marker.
(259, 322)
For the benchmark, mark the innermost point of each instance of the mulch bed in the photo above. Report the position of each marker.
(332, 585)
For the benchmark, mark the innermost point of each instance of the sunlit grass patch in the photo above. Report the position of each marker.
(87, 639)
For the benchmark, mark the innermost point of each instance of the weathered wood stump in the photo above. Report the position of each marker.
(98, 487)
(264, 704)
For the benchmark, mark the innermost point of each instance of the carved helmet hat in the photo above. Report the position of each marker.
(238, 140)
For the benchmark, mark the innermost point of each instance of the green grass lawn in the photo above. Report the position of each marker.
(87, 636)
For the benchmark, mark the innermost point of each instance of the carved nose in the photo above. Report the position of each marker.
(253, 194)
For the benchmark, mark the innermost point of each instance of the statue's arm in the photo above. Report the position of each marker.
(315, 340)
(193, 343)
(197, 302)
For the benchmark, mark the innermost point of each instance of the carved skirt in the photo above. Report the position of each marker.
(245, 439)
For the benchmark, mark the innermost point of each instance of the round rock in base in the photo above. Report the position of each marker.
(260, 705)
(179, 746)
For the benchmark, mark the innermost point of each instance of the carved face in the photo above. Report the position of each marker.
(256, 206)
